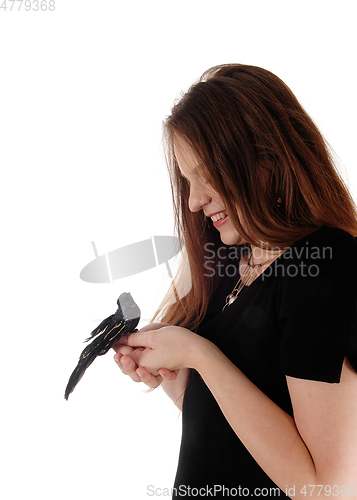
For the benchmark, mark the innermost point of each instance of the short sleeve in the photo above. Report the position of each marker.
(317, 306)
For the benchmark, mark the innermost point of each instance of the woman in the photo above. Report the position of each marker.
(263, 348)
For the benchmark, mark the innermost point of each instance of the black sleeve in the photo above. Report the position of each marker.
(317, 306)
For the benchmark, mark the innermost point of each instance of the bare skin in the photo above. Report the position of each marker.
(317, 447)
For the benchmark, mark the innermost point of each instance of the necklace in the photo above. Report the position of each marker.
(248, 276)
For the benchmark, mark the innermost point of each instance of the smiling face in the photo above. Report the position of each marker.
(203, 196)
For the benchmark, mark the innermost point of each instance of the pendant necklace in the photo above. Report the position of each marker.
(248, 276)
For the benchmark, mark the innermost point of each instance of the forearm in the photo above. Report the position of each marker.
(176, 389)
(269, 433)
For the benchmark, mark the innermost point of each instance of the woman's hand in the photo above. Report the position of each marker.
(163, 346)
(128, 360)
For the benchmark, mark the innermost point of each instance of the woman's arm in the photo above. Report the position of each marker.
(326, 417)
(175, 389)
(172, 382)
(317, 448)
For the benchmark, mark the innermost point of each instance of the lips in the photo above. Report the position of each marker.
(219, 218)
(216, 216)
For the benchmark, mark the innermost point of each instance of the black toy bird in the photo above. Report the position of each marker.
(111, 329)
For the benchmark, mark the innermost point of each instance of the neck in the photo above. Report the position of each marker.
(263, 256)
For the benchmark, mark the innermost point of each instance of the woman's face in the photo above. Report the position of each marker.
(203, 196)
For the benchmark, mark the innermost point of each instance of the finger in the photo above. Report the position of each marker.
(167, 375)
(138, 339)
(117, 359)
(152, 326)
(127, 366)
(136, 355)
(145, 376)
(124, 349)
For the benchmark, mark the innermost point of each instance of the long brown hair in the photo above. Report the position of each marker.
(256, 144)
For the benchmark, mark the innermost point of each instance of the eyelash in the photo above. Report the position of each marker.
(186, 180)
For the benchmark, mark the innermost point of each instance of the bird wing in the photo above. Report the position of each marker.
(99, 346)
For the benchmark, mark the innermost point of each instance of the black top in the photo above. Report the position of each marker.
(298, 318)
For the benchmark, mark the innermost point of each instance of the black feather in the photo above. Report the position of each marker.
(107, 333)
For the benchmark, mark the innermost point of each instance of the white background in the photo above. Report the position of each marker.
(83, 92)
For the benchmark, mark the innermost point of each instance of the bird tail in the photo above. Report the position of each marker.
(74, 379)
(87, 357)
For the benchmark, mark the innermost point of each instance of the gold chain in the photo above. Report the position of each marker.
(246, 279)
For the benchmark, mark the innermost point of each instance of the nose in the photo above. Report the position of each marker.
(198, 199)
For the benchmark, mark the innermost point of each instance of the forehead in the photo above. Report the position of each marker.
(187, 160)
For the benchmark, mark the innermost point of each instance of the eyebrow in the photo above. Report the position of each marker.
(195, 171)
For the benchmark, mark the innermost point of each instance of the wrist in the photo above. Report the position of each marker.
(201, 353)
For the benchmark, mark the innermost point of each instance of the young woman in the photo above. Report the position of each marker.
(262, 351)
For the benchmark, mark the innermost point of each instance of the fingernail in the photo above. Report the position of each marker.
(125, 362)
(117, 358)
(124, 339)
(141, 374)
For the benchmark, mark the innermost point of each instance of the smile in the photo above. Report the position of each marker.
(219, 219)
(220, 215)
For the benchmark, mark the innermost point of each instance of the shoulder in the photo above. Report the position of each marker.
(327, 242)
(317, 306)
(327, 254)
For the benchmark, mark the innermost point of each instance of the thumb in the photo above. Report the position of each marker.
(136, 339)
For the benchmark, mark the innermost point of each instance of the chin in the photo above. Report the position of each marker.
(232, 238)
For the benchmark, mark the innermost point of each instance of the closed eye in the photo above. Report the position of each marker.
(185, 178)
